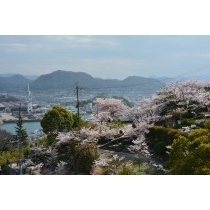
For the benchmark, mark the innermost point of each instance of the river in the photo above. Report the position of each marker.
(29, 126)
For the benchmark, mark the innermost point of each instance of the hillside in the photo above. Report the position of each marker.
(61, 80)
(13, 83)
(67, 79)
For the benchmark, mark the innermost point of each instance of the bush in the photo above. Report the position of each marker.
(51, 138)
(10, 157)
(26, 150)
(160, 148)
(207, 125)
(84, 155)
(126, 170)
(159, 137)
(187, 122)
(56, 120)
(5, 140)
(190, 155)
(41, 141)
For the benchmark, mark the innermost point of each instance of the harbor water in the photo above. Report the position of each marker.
(29, 126)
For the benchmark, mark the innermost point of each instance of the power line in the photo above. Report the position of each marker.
(196, 70)
(141, 85)
(188, 73)
(123, 86)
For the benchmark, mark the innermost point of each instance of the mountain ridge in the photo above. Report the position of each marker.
(14, 82)
(65, 80)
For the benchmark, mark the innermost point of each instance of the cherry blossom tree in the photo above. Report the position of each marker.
(139, 144)
(102, 117)
(190, 95)
(148, 110)
(109, 107)
(175, 99)
(87, 135)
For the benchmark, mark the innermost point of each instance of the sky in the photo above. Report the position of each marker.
(106, 56)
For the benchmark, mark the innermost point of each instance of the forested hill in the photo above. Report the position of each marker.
(13, 83)
(66, 79)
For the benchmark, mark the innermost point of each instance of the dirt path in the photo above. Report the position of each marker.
(128, 155)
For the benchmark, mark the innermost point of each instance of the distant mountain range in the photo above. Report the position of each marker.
(12, 82)
(30, 77)
(168, 80)
(67, 79)
(64, 80)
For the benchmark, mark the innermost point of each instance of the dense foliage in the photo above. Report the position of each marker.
(5, 140)
(191, 155)
(57, 120)
(84, 156)
(160, 137)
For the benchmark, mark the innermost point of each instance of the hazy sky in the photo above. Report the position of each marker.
(106, 56)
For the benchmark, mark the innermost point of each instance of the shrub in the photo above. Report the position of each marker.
(51, 138)
(10, 157)
(207, 125)
(159, 137)
(187, 122)
(5, 140)
(84, 155)
(56, 120)
(160, 148)
(26, 150)
(126, 170)
(190, 155)
(41, 141)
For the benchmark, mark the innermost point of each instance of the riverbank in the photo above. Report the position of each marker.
(6, 117)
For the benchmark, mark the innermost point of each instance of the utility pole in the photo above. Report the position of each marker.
(77, 104)
(97, 109)
(20, 140)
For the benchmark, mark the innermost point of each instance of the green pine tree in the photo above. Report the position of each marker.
(21, 133)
